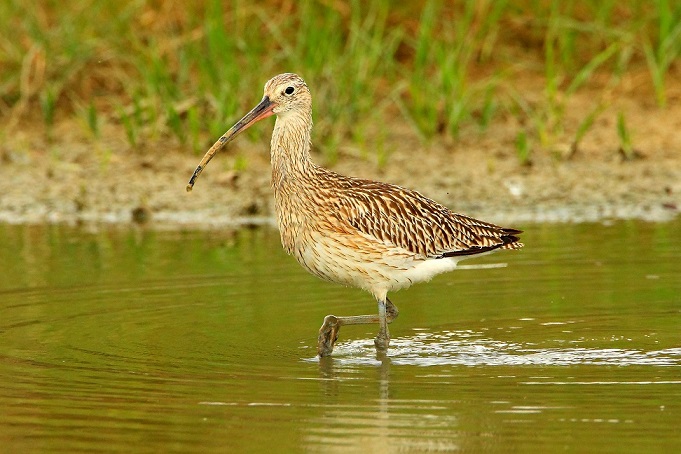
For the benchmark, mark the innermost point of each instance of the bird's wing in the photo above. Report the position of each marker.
(407, 219)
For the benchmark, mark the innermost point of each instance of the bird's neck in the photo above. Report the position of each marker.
(290, 148)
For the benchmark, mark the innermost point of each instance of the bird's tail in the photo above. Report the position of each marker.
(511, 239)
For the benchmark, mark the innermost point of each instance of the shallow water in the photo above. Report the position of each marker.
(203, 341)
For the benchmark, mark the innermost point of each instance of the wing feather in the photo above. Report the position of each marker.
(406, 219)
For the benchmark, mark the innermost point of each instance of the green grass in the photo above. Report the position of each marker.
(184, 71)
(626, 149)
(522, 147)
(664, 47)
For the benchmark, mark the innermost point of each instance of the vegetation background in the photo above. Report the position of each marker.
(95, 94)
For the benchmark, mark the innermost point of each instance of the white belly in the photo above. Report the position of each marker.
(375, 268)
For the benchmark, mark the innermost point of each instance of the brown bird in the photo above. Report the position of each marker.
(361, 233)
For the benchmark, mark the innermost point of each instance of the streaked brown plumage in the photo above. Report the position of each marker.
(375, 236)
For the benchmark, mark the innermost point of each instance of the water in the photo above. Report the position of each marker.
(203, 341)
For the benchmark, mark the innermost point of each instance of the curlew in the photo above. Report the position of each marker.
(376, 236)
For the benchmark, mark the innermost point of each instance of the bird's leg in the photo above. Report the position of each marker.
(328, 333)
(383, 339)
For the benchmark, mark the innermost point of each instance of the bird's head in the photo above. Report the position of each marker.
(285, 94)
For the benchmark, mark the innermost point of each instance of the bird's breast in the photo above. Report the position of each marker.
(293, 218)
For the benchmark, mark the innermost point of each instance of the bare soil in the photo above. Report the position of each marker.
(71, 178)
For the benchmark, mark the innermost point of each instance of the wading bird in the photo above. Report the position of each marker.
(375, 236)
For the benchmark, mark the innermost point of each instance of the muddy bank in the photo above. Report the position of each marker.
(73, 179)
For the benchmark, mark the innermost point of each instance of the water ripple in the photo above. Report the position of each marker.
(465, 348)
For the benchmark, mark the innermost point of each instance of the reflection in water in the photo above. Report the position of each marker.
(382, 423)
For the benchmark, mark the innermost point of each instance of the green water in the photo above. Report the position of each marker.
(203, 341)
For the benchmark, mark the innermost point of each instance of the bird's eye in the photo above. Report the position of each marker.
(289, 90)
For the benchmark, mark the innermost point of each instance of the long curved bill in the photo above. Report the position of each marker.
(262, 110)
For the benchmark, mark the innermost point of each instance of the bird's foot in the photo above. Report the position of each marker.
(328, 335)
(381, 342)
